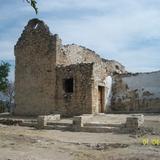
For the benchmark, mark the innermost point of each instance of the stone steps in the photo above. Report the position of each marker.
(59, 124)
(102, 125)
(59, 127)
(88, 127)
(99, 129)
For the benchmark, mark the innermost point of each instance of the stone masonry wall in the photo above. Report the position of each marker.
(136, 92)
(41, 64)
(35, 54)
(80, 101)
(74, 54)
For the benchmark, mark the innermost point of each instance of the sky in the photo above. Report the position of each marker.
(124, 30)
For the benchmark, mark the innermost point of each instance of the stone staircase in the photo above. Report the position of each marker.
(88, 127)
(100, 127)
(59, 125)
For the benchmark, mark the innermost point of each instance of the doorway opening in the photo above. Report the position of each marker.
(101, 103)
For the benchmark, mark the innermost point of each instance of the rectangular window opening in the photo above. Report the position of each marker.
(68, 85)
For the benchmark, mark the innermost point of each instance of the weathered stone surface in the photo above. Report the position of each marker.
(10, 121)
(75, 54)
(79, 121)
(51, 118)
(134, 121)
(35, 54)
(80, 101)
(140, 118)
(42, 64)
(136, 92)
(43, 120)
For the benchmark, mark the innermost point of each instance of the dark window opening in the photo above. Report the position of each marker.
(117, 67)
(68, 85)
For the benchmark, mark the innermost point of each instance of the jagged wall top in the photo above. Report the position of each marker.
(35, 27)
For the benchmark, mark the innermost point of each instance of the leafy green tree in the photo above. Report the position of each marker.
(33, 3)
(4, 71)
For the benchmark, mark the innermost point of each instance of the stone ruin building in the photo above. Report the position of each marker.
(69, 79)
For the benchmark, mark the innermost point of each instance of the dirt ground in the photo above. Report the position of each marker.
(26, 143)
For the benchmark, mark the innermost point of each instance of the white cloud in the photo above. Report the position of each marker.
(105, 31)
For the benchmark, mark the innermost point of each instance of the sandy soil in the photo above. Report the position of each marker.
(24, 143)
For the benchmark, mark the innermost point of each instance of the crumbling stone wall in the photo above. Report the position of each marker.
(35, 54)
(80, 100)
(41, 64)
(74, 54)
(99, 76)
(136, 92)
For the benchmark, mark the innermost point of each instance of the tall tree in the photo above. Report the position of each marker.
(4, 71)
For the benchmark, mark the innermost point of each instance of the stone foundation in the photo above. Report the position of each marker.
(134, 122)
(79, 121)
(43, 120)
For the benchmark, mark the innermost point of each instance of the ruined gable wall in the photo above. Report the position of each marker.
(136, 92)
(74, 54)
(80, 101)
(35, 70)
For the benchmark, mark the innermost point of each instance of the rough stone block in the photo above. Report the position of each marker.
(140, 118)
(51, 118)
(134, 121)
(79, 121)
(41, 122)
